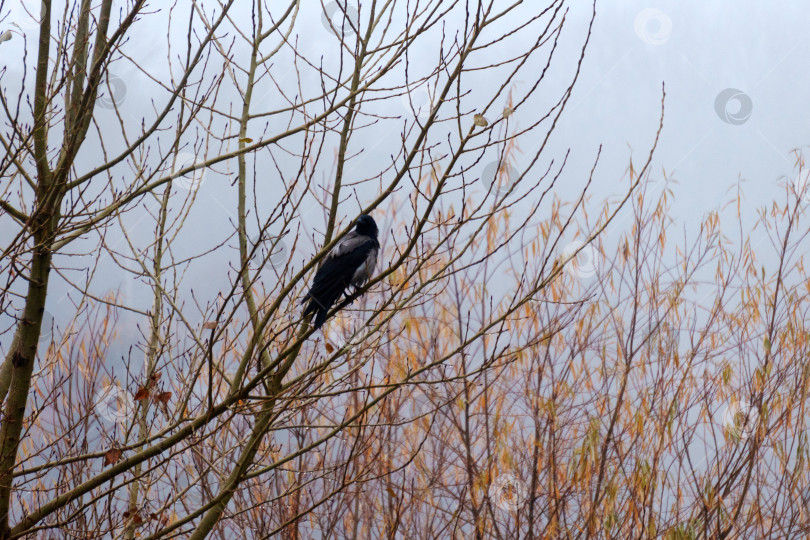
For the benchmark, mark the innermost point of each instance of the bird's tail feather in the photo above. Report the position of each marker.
(319, 310)
(320, 318)
(321, 301)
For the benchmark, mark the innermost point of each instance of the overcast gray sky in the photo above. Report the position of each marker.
(699, 49)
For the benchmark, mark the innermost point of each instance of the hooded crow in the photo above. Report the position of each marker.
(350, 262)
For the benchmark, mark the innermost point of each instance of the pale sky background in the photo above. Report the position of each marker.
(698, 50)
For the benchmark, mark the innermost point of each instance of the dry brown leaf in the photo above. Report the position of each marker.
(162, 397)
(329, 348)
(480, 121)
(210, 325)
(112, 456)
(141, 394)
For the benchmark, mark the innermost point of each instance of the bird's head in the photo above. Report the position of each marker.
(367, 226)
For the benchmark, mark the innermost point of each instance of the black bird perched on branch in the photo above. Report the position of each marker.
(350, 262)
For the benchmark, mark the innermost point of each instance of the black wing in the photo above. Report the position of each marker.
(335, 274)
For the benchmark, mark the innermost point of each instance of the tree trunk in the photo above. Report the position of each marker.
(21, 357)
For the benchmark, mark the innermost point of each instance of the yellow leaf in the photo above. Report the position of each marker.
(246, 140)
